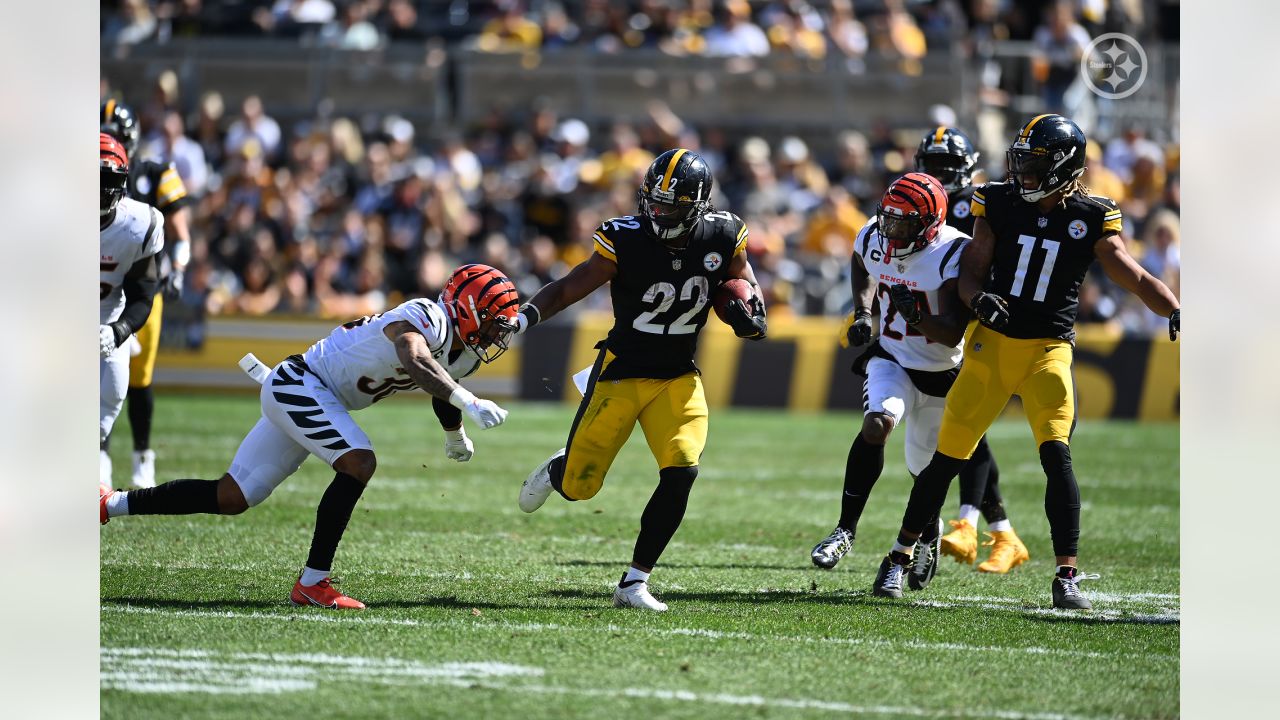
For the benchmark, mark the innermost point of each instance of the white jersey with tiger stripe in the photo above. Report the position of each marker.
(358, 362)
(924, 272)
(136, 232)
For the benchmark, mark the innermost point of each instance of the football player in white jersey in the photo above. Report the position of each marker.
(130, 239)
(307, 400)
(909, 258)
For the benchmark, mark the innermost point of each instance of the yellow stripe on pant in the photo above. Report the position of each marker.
(672, 413)
(143, 365)
(995, 368)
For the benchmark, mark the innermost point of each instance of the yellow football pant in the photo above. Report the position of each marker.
(995, 368)
(142, 365)
(672, 413)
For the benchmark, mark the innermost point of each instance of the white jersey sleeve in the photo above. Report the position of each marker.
(426, 317)
(136, 232)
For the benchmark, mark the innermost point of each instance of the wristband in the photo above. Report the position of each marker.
(861, 313)
(457, 435)
(461, 398)
(532, 315)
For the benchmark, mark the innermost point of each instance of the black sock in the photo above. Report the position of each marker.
(331, 519)
(930, 491)
(557, 476)
(861, 470)
(1061, 497)
(975, 474)
(178, 497)
(142, 405)
(662, 516)
(992, 506)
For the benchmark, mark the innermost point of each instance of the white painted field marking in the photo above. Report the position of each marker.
(167, 670)
(611, 628)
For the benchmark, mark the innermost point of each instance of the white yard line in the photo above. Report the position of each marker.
(502, 626)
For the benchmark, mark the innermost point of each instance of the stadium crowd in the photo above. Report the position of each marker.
(341, 217)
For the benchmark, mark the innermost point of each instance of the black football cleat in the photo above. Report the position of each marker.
(889, 579)
(835, 546)
(1066, 590)
(924, 561)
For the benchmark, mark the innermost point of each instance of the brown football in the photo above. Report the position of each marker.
(728, 291)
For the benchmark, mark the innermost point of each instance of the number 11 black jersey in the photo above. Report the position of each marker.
(661, 296)
(1040, 259)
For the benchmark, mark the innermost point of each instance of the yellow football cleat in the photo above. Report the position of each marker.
(1007, 552)
(962, 542)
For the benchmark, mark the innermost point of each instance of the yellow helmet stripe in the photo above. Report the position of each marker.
(671, 168)
(937, 135)
(1026, 129)
(108, 110)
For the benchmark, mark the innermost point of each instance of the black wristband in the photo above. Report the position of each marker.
(859, 313)
(121, 330)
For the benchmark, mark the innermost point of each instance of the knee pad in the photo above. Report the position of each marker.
(682, 475)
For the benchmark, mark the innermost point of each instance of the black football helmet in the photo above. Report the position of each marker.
(120, 122)
(948, 155)
(1047, 155)
(675, 195)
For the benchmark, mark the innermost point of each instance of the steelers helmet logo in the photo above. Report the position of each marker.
(712, 261)
(961, 209)
(1077, 229)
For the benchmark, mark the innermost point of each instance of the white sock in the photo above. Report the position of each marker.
(311, 577)
(634, 574)
(904, 549)
(970, 513)
(1000, 526)
(118, 504)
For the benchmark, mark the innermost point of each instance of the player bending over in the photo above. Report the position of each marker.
(664, 266)
(1034, 239)
(307, 400)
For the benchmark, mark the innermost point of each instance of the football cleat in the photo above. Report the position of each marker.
(104, 494)
(828, 552)
(637, 595)
(104, 468)
(537, 487)
(322, 594)
(889, 579)
(1007, 552)
(1066, 590)
(144, 469)
(962, 542)
(924, 561)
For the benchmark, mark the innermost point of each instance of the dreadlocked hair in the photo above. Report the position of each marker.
(1075, 187)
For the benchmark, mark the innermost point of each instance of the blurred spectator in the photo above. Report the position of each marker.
(185, 154)
(833, 226)
(402, 22)
(209, 132)
(558, 29)
(254, 123)
(135, 23)
(847, 34)
(353, 29)
(734, 35)
(1123, 152)
(1161, 256)
(1060, 43)
(896, 35)
(511, 31)
(625, 161)
(260, 294)
(1098, 177)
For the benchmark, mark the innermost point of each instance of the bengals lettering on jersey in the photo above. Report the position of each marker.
(1040, 259)
(661, 296)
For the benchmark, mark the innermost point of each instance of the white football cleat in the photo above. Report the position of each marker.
(537, 487)
(104, 468)
(637, 595)
(144, 469)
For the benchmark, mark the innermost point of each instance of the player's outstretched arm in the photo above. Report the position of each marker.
(557, 295)
(415, 355)
(1124, 271)
(947, 327)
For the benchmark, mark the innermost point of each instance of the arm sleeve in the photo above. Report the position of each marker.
(140, 285)
(450, 417)
(171, 192)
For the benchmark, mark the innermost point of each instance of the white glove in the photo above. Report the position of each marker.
(457, 446)
(106, 341)
(484, 413)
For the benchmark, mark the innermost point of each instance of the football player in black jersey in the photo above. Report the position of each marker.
(158, 185)
(664, 265)
(1034, 238)
(947, 154)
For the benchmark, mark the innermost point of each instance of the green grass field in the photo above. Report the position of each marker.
(480, 611)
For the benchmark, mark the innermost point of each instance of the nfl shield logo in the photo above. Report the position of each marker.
(1042, 222)
(902, 268)
(675, 264)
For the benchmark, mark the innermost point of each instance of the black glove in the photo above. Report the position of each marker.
(1175, 324)
(991, 310)
(905, 302)
(747, 322)
(171, 286)
(859, 332)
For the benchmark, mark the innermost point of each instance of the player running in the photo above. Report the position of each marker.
(307, 400)
(157, 185)
(1034, 239)
(664, 265)
(130, 239)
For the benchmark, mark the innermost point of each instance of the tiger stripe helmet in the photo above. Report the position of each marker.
(910, 214)
(113, 167)
(482, 303)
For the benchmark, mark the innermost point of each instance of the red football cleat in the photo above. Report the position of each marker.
(104, 493)
(322, 595)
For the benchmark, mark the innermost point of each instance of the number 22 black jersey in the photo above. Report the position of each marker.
(661, 296)
(1040, 259)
